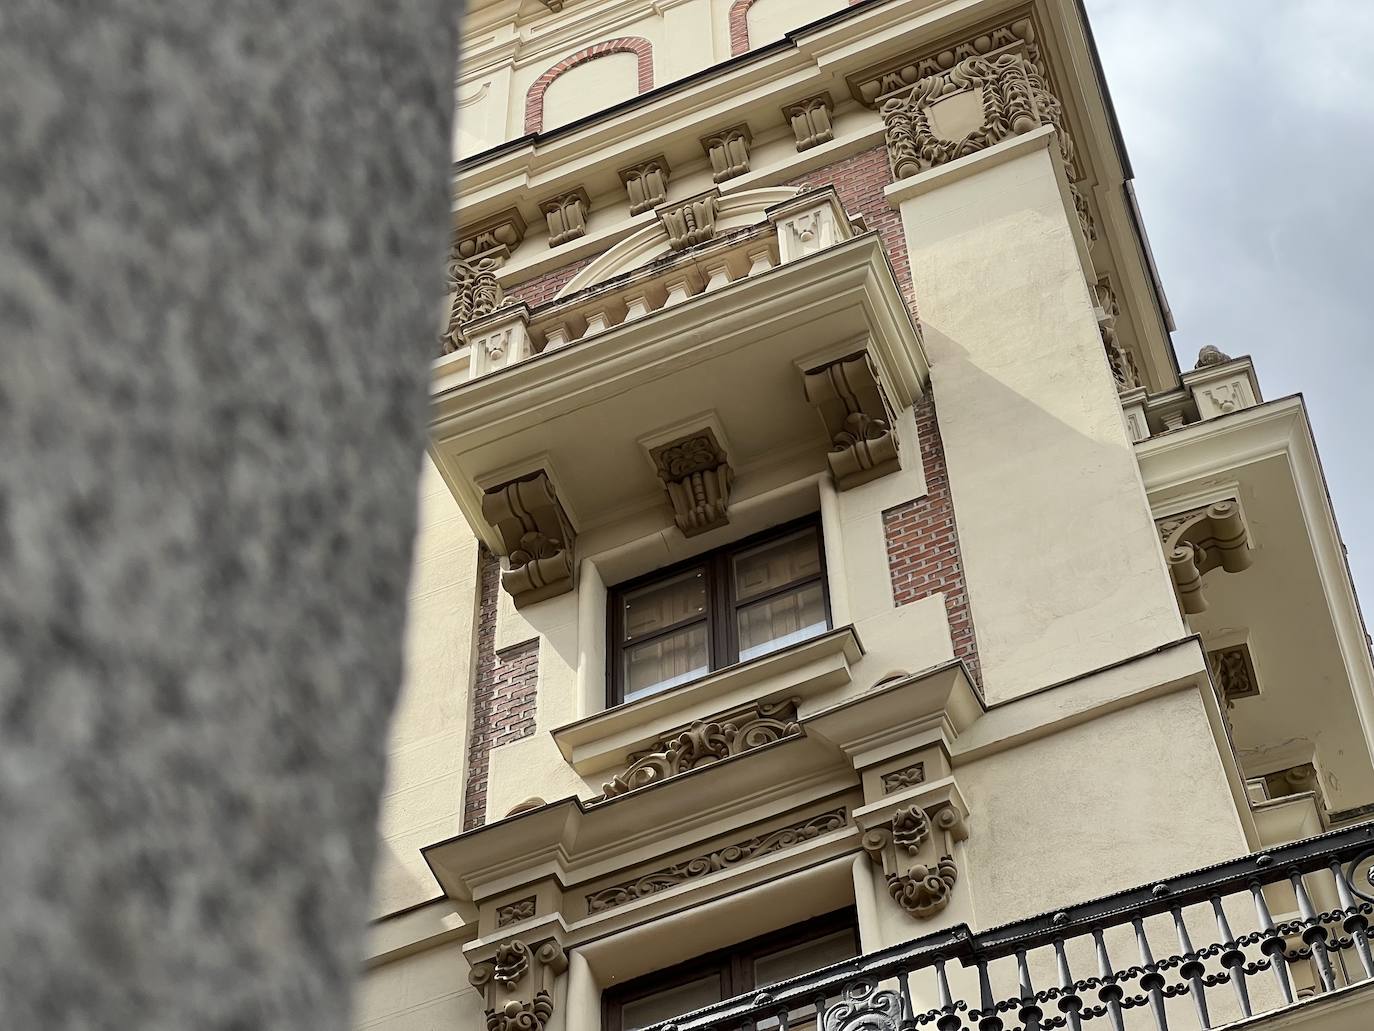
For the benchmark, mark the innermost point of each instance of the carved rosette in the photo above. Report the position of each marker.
(1200, 540)
(537, 537)
(473, 291)
(915, 851)
(695, 473)
(517, 984)
(706, 742)
(856, 414)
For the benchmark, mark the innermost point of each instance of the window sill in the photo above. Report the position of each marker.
(605, 740)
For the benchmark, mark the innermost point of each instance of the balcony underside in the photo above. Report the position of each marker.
(732, 358)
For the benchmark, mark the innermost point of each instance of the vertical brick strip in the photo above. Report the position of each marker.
(637, 45)
(739, 27)
(923, 543)
(503, 693)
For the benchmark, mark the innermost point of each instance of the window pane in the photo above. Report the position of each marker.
(785, 619)
(776, 564)
(658, 605)
(671, 1002)
(795, 960)
(665, 661)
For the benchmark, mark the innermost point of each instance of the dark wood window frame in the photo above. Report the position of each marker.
(734, 964)
(721, 619)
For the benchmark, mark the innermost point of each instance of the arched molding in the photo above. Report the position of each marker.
(637, 45)
(739, 25)
(643, 246)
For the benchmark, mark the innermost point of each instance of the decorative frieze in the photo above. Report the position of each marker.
(646, 184)
(567, 216)
(728, 152)
(517, 984)
(810, 121)
(691, 221)
(537, 537)
(694, 471)
(514, 912)
(706, 742)
(914, 849)
(494, 237)
(906, 777)
(1200, 540)
(869, 88)
(711, 862)
(474, 290)
(858, 419)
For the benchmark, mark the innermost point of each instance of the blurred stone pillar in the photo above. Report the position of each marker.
(222, 233)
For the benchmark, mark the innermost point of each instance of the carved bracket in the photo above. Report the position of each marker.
(915, 850)
(1200, 540)
(566, 216)
(694, 471)
(1122, 364)
(692, 221)
(728, 151)
(493, 237)
(537, 537)
(810, 121)
(705, 742)
(646, 184)
(858, 419)
(517, 984)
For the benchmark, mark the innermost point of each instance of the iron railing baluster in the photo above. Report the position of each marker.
(1030, 1013)
(988, 1017)
(1314, 934)
(1273, 945)
(1356, 923)
(1152, 981)
(1069, 1002)
(1232, 957)
(1110, 992)
(1192, 969)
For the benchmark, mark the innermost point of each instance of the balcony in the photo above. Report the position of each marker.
(738, 343)
(1271, 939)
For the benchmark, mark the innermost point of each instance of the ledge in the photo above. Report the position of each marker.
(604, 740)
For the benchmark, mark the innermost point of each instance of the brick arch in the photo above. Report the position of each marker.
(637, 45)
(739, 25)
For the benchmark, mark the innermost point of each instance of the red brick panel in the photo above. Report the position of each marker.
(543, 288)
(923, 543)
(637, 45)
(503, 692)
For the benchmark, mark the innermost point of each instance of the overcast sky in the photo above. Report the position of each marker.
(1250, 126)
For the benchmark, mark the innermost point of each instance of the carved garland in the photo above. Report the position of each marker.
(706, 742)
(721, 859)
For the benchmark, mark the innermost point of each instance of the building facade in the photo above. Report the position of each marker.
(833, 603)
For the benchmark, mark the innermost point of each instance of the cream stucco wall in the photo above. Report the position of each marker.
(1062, 559)
(772, 19)
(589, 87)
(423, 800)
(426, 991)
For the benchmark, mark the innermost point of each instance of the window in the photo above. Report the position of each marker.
(727, 606)
(793, 951)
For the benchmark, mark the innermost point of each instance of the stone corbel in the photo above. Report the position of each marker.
(696, 473)
(691, 221)
(728, 151)
(857, 417)
(493, 238)
(536, 536)
(914, 847)
(646, 184)
(517, 984)
(473, 292)
(810, 120)
(500, 339)
(1122, 364)
(566, 216)
(1200, 540)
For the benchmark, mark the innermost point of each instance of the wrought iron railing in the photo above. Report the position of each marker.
(1280, 926)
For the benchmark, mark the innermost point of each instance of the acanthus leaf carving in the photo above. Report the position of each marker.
(705, 742)
(1120, 360)
(509, 1005)
(712, 862)
(697, 477)
(692, 221)
(475, 292)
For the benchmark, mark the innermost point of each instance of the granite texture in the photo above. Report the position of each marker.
(222, 232)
